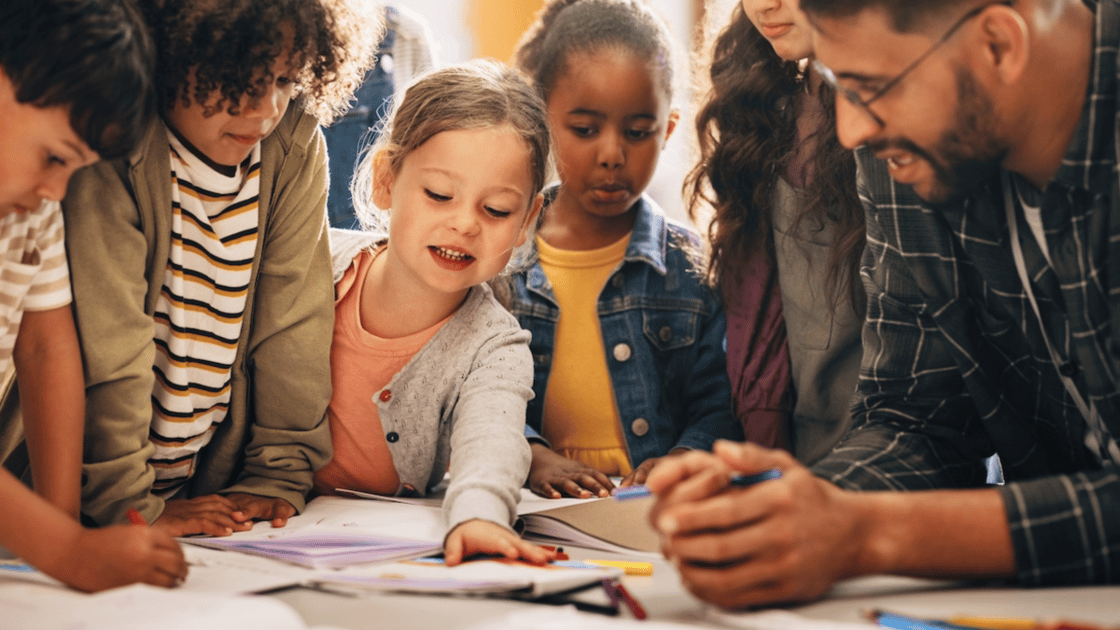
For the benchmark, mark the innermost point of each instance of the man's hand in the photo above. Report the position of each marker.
(552, 475)
(780, 541)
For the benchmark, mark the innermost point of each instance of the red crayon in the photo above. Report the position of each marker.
(134, 517)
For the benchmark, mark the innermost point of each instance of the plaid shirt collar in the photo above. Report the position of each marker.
(1091, 157)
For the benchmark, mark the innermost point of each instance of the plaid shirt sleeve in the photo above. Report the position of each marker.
(922, 418)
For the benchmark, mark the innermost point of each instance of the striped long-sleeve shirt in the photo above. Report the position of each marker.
(199, 314)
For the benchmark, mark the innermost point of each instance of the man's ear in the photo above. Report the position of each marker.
(530, 220)
(1006, 43)
(382, 188)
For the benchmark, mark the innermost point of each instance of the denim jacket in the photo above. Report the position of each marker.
(663, 332)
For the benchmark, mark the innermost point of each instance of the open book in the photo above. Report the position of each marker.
(604, 524)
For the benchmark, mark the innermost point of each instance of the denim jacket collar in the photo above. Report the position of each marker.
(647, 242)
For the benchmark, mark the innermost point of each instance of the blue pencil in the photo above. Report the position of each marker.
(738, 481)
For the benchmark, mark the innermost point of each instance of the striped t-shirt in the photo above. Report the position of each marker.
(200, 311)
(33, 274)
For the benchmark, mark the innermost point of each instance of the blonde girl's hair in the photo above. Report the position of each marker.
(471, 95)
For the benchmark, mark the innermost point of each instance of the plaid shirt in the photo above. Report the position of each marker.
(955, 366)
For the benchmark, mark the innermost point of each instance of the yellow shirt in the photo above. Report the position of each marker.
(581, 418)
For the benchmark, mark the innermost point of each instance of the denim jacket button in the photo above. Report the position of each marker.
(640, 427)
(621, 352)
(665, 333)
(618, 281)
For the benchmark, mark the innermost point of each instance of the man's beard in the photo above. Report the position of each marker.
(967, 155)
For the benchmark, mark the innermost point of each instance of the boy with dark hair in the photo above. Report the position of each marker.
(201, 270)
(74, 87)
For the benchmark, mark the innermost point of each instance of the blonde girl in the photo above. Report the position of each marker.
(429, 371)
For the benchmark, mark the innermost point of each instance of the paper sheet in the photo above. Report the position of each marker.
(139, 607)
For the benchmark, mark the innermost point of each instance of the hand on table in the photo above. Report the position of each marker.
(779, 541)
(98, 559)
(552, 476)
(258, 508)
(219, 515)
(639, 474)
(478, 536)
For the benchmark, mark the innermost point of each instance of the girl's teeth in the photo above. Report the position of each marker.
(447, 253)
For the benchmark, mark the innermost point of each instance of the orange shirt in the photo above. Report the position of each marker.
(362, 364)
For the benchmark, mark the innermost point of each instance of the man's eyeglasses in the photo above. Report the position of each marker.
(853, 97)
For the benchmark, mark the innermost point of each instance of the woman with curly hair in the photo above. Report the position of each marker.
(787, 233)
(201, 273)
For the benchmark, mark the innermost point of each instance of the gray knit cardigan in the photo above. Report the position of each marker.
(460, 400)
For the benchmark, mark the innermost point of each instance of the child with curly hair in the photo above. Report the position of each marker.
(75, 86)
(202, 273)
(627, 342)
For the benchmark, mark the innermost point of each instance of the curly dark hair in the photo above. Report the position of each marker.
(230, 45)
(93, 56)
(747, 134)
(564, 27)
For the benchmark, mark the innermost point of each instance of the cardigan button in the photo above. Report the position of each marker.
(640, 427)
(392, 437)
(621, 352)
(386, 395)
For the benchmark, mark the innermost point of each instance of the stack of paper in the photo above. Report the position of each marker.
(325, 548)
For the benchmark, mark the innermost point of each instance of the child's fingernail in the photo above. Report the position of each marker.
(667, 525)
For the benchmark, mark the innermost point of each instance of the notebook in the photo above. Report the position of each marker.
(605, 524)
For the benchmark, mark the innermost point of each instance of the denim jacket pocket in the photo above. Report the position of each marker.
(671, 330)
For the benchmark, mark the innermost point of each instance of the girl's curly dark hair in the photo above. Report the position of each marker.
(230, 45)
(747, 134)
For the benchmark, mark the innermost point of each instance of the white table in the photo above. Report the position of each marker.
(666, 600)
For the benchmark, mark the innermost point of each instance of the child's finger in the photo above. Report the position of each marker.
(546, 490)
(573, 489)
(453, 550)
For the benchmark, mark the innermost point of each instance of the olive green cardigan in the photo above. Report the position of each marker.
(118, 236)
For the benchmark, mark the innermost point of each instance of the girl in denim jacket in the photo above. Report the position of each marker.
(628, 344)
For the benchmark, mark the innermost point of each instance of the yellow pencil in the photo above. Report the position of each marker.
(631, 568)
(995, 623)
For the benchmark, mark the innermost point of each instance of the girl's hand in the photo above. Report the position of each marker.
(478, 536)
(639, 474)
(552, 475)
